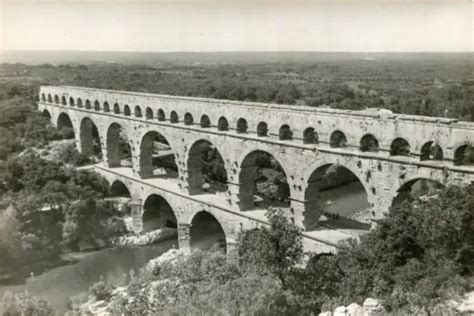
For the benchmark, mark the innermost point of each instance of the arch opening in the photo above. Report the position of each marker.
(138, 111)
(262, 182)
(121, 196)
(71, 101)
(262, 129)
(285, 132)
(310, 136)
(157, 158)
(400, 147)
(65, 126)
(338, 140)
(188, 119)
(46, 115)
(174, 117)
(335, 197)
(126, 110)
(79, 102)
(161, 115)
(96, 105)
(205, 121)
(464, 155)
(116, 108)
(149, 113)
(88, 104)
(50, 99)
(369, 143)
(119, 151)
(222, 124)
(63, 100)
(157, 213)
(56, 99)
(106, 107)
(206, 233)
(242, 126)
(420, 188)
(90, 141)
(206, 169)
(431, 151)
(43, 97)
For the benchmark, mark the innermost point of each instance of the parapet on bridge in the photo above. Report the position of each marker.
(387, 152)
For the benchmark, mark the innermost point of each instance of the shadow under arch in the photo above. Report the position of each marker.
(65, 126)
(46, 115)
(121, 195)
(157, 213)
(118, 148)
(262, 182)
(206, 233)
(156, 158)
(337, 192)
(419, 187)
(89, 138)
(206, 168)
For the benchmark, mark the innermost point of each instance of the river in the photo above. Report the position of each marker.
(83, 269)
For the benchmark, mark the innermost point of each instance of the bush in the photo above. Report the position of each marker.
(22, 304)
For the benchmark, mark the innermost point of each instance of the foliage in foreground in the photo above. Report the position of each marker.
(418, 259)
(25, 305)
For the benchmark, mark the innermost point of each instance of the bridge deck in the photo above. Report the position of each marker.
(328, 236)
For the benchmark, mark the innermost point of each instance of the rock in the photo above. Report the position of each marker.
(372, 307)
(325, 314)
(340, 311)
(354, 309)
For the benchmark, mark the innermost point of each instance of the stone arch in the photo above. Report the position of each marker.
(56, 99)
(207, 233)
(205, 121)
(174, 117)
(188, 119)
(262, 129)
(338, 139)
(165, 156)
(71, 101)
(369, 142)
(206, 168)
(116, 108)
(50, 99)
(65, 126)
(149, 113)
(322, 185)
(222, 124)
(106, 106)
(79, 102)
(117, 147)
(253, 172)
(126, 110)
(119, 188)
(43, 97)
(161, 115)
(96, 105)
(157, 213)
(310, 136)
(138, 111)
(63, 100)
(464, 155)
(242, 126)
(88, 104)
(285, 132)
(431, 151)
(46, 114)
(416, 187)
(89, 138)
(400, 147)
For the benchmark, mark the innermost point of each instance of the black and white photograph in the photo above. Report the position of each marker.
(236, 157)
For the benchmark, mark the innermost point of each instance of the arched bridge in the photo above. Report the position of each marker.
(385, 151)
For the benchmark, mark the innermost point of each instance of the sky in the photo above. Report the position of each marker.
(231, 25)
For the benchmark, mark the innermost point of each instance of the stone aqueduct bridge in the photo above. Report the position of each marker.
(304, 140)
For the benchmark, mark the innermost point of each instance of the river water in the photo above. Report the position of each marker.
(81, 270)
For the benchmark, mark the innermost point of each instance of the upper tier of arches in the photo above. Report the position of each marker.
(310, 135)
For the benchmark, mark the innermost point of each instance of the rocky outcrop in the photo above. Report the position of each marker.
(371, 307)
(147, 238)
